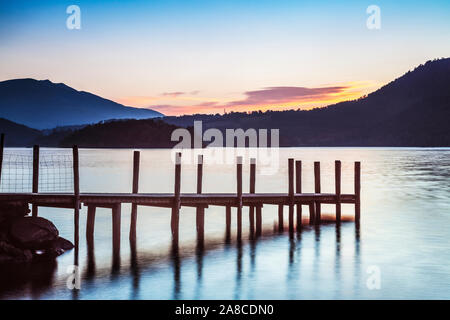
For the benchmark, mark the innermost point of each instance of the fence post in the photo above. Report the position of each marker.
(317, 189)
(291, 194)
(176, 202)
(298, 189)
(337, 177)
(76, 192)
(239, 197)
(35, 187)
(251, 209)
(135, 189)
(200, 210)
(357, 191)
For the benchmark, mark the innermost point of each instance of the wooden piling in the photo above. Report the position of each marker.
(312, 213)
(228, 222)
(357, 191)
(258, 220)
(200, 210)
(337, 182)
(135, 189)
(251, 209)
(280, 218)
(76, 193)
(90, 223)
(239, 197)
(298, 189)
(317, 190)
(291, 193)
(35, 186)
(176, 201)
(2, 146)
(116, 217)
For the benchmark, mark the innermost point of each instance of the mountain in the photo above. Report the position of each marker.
(413, 110)
(17, 135)
(148, 133)
(42, 104)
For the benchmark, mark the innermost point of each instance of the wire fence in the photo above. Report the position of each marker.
(55, 172)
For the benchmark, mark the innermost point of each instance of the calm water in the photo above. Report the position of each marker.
(404, 232)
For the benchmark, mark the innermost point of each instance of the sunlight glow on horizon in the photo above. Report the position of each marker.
(182, 104)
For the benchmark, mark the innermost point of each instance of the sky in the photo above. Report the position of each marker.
(186, 57)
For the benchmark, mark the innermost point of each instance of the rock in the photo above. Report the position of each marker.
(34, 233)
(59, 246)
(9, 253)
(12, 210)
(62, 243)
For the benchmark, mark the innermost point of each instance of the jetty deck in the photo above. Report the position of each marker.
(66, 200)
(294, 198)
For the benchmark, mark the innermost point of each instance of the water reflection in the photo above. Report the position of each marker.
(40, 277)
(34, 278)
(237, 248)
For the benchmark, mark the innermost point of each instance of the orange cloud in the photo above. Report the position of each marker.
(275, 98)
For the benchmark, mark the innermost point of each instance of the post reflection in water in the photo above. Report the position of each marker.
(237, 291)
(357, 267)
(135, 272)
(337, 263)
(142, 264)
(176, 271)
(199, 253)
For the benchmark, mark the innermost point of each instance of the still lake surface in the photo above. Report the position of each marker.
(404, 233)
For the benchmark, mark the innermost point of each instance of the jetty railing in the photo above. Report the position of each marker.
(294, 198)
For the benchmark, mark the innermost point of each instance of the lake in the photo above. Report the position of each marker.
(404, 235)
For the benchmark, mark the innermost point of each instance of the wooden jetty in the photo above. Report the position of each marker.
(293, 198)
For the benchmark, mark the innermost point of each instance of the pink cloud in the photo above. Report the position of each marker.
(172, 94)
(276, 95)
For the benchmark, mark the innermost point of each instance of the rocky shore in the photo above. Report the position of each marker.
(24, 238)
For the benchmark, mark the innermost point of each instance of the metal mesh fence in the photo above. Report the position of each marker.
(55, 171)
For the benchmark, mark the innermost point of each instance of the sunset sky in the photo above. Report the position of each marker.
(184, 57)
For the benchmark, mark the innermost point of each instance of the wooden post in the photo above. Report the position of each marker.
(312, 213)
(357, 191)
(199, 173)
(176, 202)
(135, 189)
(280, 218)
(90, 223)
(258, 220)
(35, 187)
(291, 194)
(317, 189)
(239, 197)
(228, 222)
(76, 193)
(337, 178)
(200, 214)
(116, 216)
(298, 189)
(251, 209)
(2, 146)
